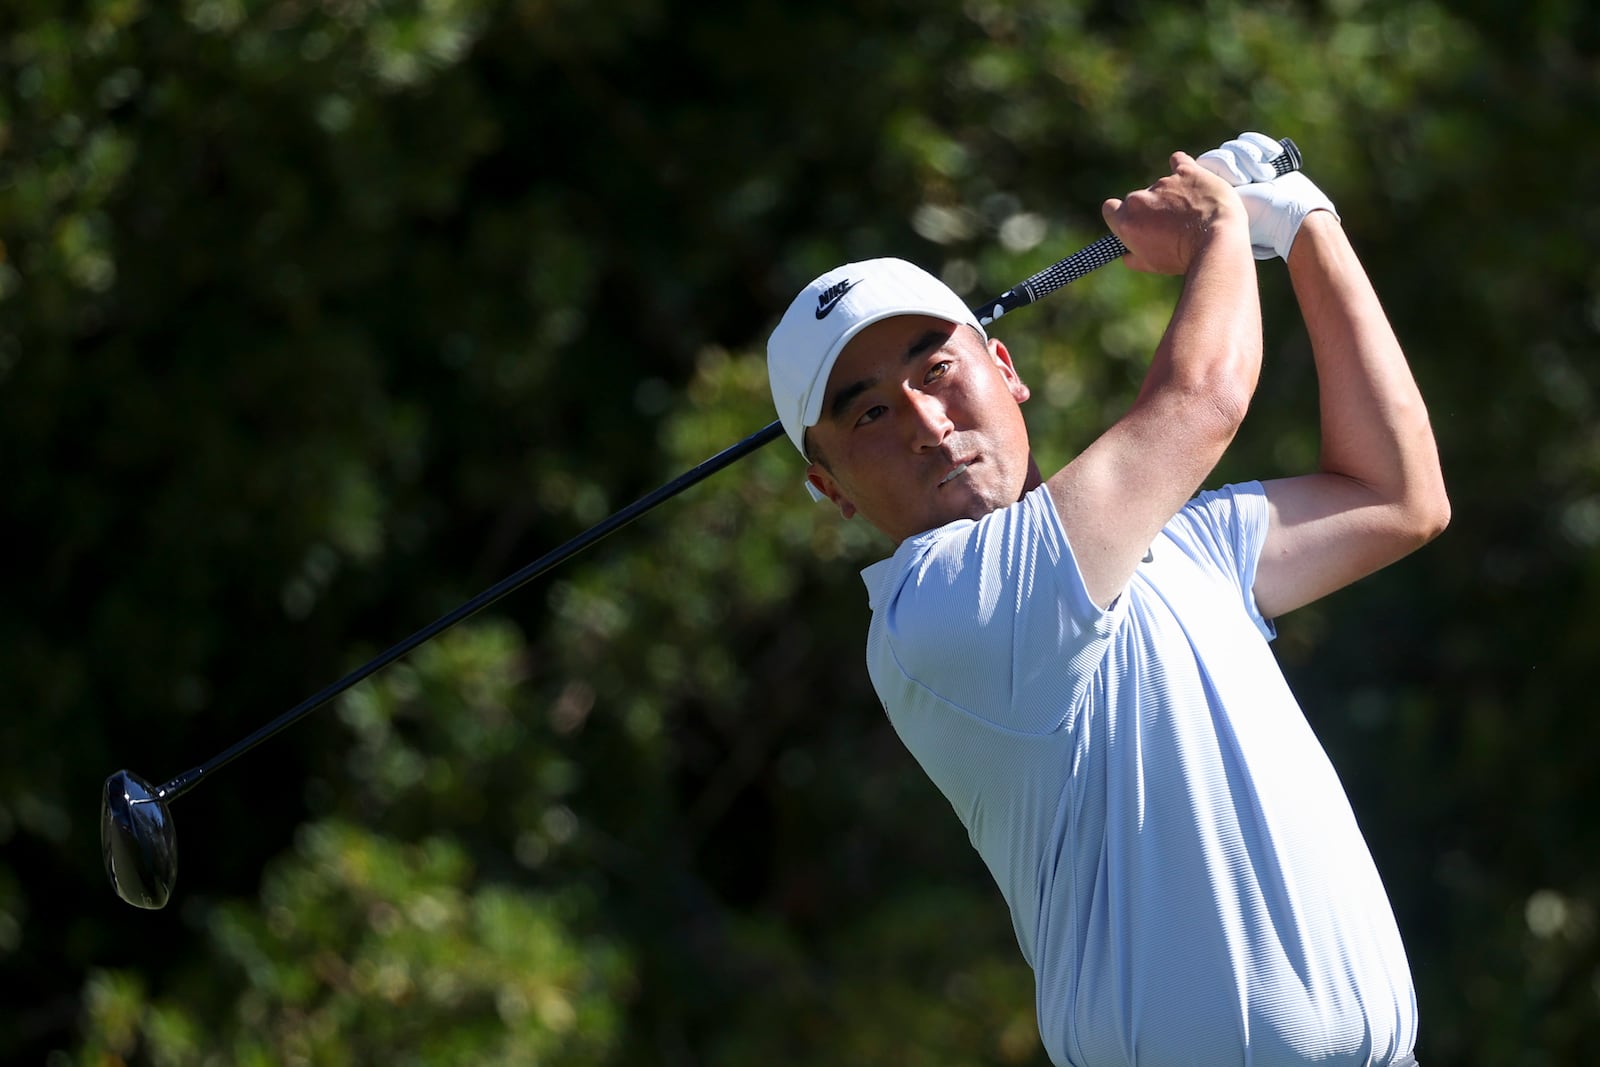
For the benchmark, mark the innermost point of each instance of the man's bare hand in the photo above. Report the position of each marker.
(1165, 225)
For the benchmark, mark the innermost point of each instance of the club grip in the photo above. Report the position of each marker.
(1091, 258)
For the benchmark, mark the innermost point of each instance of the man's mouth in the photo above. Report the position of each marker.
(955, 472)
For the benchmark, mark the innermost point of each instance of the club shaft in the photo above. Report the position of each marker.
(190, 778)
(1090, 258)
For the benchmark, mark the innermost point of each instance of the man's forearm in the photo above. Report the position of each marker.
(1213, 342)
(1375, 428)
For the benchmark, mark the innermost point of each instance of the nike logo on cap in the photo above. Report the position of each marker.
(832, 295)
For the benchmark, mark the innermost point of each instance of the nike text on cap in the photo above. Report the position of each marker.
(831, 310)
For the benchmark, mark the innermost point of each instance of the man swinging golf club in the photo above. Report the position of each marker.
(1080, 661)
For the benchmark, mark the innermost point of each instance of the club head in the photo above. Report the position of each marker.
(137, 841)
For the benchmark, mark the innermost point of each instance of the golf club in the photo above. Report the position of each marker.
(137, 840)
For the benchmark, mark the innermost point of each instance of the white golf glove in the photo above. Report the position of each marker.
(1275, 205)
(1276, 210)
(1245, 159)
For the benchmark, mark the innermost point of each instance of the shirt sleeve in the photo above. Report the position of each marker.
(980, 610)
(1226, 528)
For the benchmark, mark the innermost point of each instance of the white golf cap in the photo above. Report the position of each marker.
(830, 311)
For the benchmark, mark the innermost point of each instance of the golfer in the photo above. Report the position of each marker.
(1080, 661)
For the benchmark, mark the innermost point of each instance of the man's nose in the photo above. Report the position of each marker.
(930, 422)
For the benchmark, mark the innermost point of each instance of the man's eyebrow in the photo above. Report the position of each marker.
(847, 395)
(921, 345)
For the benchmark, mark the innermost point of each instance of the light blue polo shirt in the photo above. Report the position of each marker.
(1184, 872)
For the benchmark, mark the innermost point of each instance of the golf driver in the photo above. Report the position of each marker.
(137, 840)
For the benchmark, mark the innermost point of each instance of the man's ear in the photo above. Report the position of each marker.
(1002, 359)
(823, 482)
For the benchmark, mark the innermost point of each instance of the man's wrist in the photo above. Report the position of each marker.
(1232, 226)
(1316, 227)
(1220, 239)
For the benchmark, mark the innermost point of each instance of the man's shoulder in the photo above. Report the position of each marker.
(968, 556)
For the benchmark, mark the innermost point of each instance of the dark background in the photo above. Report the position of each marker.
(317, 319)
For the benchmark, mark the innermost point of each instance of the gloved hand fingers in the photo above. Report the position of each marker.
(1246, 158)
(1265, 149)
(1222, 163)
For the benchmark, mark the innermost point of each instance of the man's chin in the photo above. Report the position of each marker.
(970, 506)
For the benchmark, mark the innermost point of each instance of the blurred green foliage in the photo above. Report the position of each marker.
(317, 319)
(358, 935)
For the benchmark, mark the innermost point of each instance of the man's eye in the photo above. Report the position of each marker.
(870, 415)
(938, 370)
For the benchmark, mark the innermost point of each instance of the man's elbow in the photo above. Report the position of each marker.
(1423, 503)
(1426, 514)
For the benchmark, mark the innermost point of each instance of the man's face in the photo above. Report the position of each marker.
(920, 426)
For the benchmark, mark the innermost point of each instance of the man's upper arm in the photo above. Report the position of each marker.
(1114, 498)
(1325, 531)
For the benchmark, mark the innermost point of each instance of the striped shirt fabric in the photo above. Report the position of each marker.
(1184, 872)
